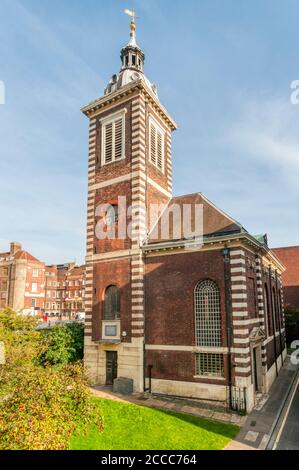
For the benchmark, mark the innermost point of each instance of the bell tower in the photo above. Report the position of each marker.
(129, 168)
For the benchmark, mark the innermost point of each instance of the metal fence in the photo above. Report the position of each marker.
(236, 400)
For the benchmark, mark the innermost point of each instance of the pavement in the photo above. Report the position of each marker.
(288, 430)
(264, 423)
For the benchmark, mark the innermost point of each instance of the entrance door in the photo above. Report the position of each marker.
(111, 367)
(257, 368)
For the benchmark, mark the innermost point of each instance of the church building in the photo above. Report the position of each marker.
(200, 320)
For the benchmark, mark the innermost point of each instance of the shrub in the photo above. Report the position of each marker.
(62, 344)
(291, 317)
(44, 407)
(40, 406)
(21, 344)
(292, 323)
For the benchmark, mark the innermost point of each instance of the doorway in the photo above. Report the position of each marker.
(255, 376)
(257, 368)
(111, 367)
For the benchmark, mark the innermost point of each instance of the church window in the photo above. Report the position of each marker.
(268, 311)
(156, 145)
(111, 217)
(208, 314)
(113, 138)
(209, 365)
(274, 309)
(112, 303)
(133, 59)
(208, 330)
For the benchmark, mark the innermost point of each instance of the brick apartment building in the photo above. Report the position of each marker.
(289, 256)
(65, 290)
(22, 281)
(27, 285)
(205, 322)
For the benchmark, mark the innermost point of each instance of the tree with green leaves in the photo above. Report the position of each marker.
(40, 405)
(62, 344)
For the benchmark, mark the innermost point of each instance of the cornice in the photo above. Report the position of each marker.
(94, 107)
(212, 242)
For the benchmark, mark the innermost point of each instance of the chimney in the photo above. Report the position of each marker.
(15, 247)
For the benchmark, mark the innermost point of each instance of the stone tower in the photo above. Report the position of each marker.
(129, 168)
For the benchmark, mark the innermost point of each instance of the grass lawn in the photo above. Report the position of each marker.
(132, 427)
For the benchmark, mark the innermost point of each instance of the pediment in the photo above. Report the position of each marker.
(257, 334)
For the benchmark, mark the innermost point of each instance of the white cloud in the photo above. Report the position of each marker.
(267, 131)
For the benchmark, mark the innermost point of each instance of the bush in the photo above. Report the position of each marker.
(292, 323)
(40, 405)
(62, 344)
(44, 407)
(21, 344)
(291, 317)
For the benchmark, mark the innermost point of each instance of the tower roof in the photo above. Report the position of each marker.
(132, 60)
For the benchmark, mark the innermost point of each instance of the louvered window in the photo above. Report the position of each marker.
(113, 140)
(156, 145)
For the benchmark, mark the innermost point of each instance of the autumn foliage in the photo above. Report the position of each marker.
(40, 406)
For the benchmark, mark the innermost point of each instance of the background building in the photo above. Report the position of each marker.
(22, 280)
(289, 256)
(27, 285)
(65, 290)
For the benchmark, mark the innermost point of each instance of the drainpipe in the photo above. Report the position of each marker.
(150, 378)
(273, 322)
(144, 368)
(278, 306)
(229, 335)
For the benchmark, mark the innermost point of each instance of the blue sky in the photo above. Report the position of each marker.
(223, 69)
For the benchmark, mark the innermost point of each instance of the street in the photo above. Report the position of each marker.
(289, 439)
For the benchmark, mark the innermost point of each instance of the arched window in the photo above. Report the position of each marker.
(111, 217)
(274, 308)
(112, 303)
(280, 309)
(208, 314)
(268, 310)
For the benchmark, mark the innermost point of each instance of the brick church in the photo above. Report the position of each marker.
(205, 322)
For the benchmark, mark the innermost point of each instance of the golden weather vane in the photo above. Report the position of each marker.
(132, 14)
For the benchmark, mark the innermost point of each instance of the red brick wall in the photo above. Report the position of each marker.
(289, 256)
(109, 195)
(170, 281)
(177, 365)
(106, 274)
(154, 197)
